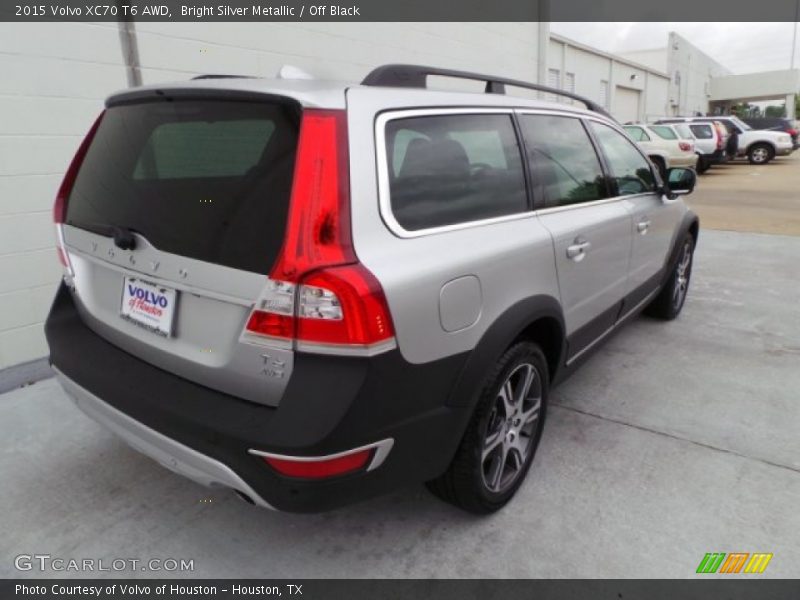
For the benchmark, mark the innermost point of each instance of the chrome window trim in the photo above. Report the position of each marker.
(384, 199)
(556, 209)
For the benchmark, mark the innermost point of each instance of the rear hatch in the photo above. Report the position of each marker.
(175, 218)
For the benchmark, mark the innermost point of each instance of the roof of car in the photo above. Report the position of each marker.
(407, 83)
(331, 94)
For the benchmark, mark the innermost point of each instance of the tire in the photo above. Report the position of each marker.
(502, 436)
(702, 165)
(670, 300)
(760, 154)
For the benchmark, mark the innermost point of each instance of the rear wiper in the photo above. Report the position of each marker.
(123, 236)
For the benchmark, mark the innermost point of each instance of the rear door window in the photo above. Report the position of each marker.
(451, 169)
(206, 179)
(563, 162)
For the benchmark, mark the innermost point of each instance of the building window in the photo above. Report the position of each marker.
(569, 85)
(554, 81)
(604, 94)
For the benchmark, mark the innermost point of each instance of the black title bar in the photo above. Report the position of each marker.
(734, 588)
(398, 10)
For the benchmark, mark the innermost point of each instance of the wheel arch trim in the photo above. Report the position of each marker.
(503, 332)
(690, 222)
(761, 143)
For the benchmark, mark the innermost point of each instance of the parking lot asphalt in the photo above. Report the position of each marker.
(739, 196)
(674, 440)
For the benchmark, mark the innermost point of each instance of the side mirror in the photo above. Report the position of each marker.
(680, 181)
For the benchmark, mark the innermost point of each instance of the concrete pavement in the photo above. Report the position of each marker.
(674, 440)
(739, 196)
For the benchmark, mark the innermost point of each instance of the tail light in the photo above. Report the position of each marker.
(319, 294)
(720, 135)
(686, 146)
(792, 132)
(64, 190)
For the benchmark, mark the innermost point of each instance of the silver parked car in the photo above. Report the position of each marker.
(313, 292)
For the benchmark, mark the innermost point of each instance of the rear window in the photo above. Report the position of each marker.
(664, 132)
(683, 130)
(450, 169)
(206, 179)
(702, 132)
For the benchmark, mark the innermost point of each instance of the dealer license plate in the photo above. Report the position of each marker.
(148, 305)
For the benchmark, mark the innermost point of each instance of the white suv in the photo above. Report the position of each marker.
(663, 145)
(759, 146)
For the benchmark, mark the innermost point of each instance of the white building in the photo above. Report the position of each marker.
(630, 90)
(700, 85)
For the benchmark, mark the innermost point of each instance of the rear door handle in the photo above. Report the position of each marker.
(577, 251)
(643, 226)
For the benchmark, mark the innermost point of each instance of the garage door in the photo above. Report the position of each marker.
(626, 104)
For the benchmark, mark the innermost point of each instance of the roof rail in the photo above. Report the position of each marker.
(222, 77)
(415, 76)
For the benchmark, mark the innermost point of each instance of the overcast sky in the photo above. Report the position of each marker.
(742, 47)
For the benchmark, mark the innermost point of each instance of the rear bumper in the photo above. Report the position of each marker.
(331, 404)
(166, 451)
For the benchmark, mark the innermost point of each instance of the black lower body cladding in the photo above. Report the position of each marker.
(331, 404)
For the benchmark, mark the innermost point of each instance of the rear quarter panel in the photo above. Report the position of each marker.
(511, 260)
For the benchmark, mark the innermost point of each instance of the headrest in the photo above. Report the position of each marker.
(444, 157)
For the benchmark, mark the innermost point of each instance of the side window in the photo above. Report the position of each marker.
(449, 169)
(563, 162)
(629, 168)
(702, 132)
(638, 134)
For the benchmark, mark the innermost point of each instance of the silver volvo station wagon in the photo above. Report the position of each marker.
(313, 292)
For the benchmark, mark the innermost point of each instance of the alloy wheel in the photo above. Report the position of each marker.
(511, 428)
(682, 275)
(760, 155)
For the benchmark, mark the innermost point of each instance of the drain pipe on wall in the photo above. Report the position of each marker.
(130, 52)
(543, 43)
